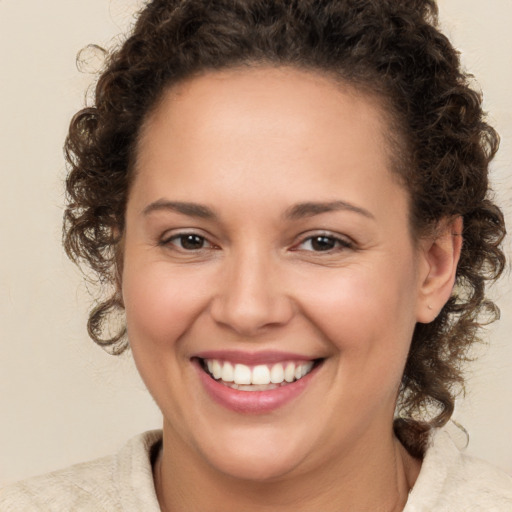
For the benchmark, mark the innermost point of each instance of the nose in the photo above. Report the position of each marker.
(252, 298)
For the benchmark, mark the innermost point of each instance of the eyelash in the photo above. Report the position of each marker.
(337, 243)
(181, 237)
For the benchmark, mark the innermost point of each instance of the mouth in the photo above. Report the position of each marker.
(260, 377)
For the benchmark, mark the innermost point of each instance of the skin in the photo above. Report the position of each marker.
(250, 145)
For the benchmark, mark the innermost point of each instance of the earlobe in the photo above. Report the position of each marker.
(440, 256)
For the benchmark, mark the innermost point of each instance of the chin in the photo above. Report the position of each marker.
(261, 467)
(254, 455)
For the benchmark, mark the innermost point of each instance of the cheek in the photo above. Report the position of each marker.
(160, 304)
(364, 309)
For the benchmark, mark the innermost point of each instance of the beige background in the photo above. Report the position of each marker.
(62, 399)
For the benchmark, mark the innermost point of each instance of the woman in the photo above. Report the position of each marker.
(290, 201)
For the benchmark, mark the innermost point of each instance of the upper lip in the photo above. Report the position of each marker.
(253, 358)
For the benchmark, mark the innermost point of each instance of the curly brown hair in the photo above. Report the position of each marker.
(389, 48)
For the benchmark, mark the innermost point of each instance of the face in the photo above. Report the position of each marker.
(270, 280)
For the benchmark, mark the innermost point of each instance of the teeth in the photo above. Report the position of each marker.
(242, 374)
(216, 369)
(289, 372)
(252, 387)
(228, 373)
(277, 374)
(260, 375)
(253, 378)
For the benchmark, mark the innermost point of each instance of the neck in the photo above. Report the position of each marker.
(376, 479)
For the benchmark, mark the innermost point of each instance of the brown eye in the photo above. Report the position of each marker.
(187, 242)
(191, 242)
(323, 243)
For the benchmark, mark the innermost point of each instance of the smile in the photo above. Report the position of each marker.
(261, 377)
(255, 383)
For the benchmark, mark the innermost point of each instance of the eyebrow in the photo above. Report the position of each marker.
(311, 209)
(185, 208)
(295, 212)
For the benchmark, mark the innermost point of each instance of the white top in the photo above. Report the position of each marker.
(449, 481)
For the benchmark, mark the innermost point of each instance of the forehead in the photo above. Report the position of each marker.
(285, 101)
(249, 128)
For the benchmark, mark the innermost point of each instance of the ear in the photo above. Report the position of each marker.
(439, 258)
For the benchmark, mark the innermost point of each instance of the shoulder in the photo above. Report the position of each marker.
(452, 481)
(119, 482)
(86, 486)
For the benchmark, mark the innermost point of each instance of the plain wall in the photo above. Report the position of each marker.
(62, 399)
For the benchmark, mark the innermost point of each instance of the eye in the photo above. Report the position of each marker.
(323, 243)
(188, 242)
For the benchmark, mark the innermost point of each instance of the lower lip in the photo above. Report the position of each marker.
(253, 402)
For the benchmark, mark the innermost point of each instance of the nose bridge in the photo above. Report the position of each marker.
(251, 294)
